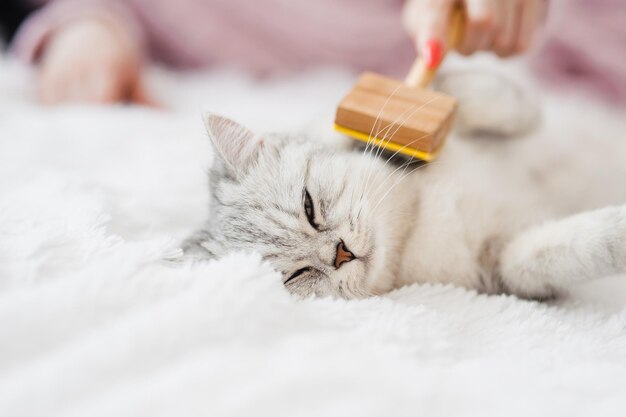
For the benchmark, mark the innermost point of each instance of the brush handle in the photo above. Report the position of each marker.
(420, 75)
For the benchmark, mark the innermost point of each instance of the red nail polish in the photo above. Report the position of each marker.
(433, 53)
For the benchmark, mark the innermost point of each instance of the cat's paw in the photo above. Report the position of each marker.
(525, 283)
(490, 104)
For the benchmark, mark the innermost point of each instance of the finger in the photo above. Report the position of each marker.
(480, 26)
(46, 81)
(107, 87)
(486, 39)
(140, 96)
(426, 19)
(528, 25)
(499, 8)
(51, 86)
(432, 25)
(102, 85)
(504, 42)
(77, 87)
(48, 95)
(45, 89)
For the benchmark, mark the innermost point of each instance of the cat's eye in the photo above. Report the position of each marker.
(297, 274)
(309, 209)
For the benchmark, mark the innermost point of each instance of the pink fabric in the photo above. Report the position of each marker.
(586, 50)
(262, 36)
(33, 34)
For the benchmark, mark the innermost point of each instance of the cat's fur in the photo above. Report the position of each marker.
(522, 216)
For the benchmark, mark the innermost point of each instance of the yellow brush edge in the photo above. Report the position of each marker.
(390, 146)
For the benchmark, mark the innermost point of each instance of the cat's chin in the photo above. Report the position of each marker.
(385, 258)
(379, 273)
(381, 282)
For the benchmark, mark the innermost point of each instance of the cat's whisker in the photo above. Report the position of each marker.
(402, 177)
(350, 286)
(367, 154)
(373, 192)
(380, 112)
(361, 289)
(403, 167)
(376, 123)
(398, 128)
(387, 129)
(380, 151)
(405, 164)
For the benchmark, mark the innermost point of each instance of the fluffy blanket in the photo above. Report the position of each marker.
(94, 323)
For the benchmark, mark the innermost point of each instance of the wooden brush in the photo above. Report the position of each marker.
(401, 117)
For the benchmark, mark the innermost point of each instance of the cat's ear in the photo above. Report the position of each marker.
(238, 146)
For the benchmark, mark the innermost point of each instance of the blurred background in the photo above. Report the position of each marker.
(97, 50)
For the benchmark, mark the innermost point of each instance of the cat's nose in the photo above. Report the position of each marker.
(343, 255)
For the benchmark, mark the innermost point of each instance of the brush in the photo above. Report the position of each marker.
(404, 118)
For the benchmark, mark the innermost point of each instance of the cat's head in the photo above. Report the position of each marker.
(322, 217)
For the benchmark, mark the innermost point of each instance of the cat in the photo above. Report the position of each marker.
(526, 216)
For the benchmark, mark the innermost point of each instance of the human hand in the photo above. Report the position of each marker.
(505, 27)
(90, 60)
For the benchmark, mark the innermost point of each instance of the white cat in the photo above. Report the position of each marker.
(523, 216)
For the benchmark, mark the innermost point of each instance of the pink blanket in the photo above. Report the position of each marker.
(586, 48)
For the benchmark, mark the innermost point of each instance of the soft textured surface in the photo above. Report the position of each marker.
(94, 323)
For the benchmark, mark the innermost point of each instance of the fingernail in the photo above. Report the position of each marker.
(433, 53)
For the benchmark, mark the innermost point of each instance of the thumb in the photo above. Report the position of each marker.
(139, 95)
(431, 38)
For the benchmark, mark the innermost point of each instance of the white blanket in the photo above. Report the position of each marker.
(94, 323)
